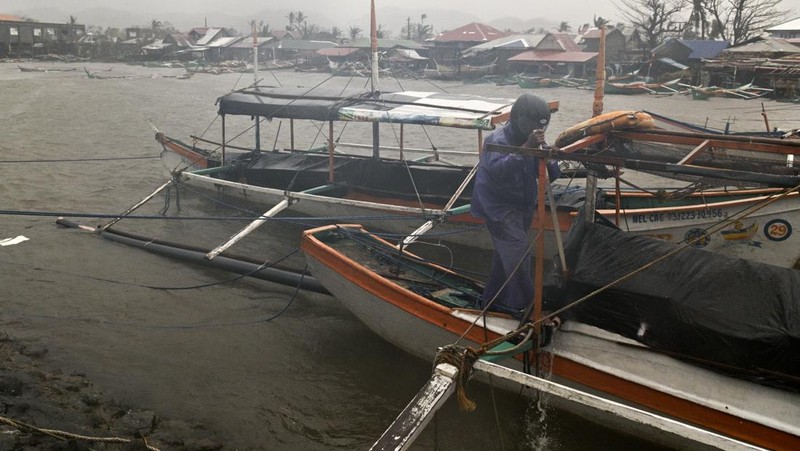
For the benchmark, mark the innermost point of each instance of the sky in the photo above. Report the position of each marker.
(555, 10)
(345, 12)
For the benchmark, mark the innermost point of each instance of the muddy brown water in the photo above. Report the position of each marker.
(195, 343)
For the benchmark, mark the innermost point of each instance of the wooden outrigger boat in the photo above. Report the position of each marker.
(640, 87)
(322, 182)
(459, 69)
(46, 69)
(388, 194)
(379, 188)
(746, 92)
(421, 307)
(684, 347)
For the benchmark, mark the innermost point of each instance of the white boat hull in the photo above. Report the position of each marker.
(769, 235)
(584, 357)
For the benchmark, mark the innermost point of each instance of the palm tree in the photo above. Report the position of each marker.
(423, 31)
(264, 29)
(155, 28)
(564, 27)
(698, 17)
(599, 22)
(354, 32)
(292, 18)
(73, 20)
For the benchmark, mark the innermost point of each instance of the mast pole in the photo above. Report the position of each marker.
(255, 82)
(597, 109)
(373, 36)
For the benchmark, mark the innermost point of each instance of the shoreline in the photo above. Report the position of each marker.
(46, 409)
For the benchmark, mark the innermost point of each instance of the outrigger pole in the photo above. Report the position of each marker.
(373, 37)
(235, 264)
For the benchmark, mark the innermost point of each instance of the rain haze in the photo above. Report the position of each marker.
(391, 14)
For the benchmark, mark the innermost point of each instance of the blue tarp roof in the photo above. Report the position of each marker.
(700, 49)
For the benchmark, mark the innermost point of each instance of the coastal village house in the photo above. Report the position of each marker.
(616, 43)
(787, 30)
(555, 55)
(769, 61)
(445, 49)
(764, 61)
(502, 49)
(681, 57)
(401, 54)
(24, 38)
(301, 52)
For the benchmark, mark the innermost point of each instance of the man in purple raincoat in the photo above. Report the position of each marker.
(505, 196)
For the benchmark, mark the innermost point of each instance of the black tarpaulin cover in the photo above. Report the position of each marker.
(730, 314)
(405, 107)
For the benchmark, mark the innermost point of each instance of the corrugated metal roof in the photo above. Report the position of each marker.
(337, 51)
(567, 42)
(158, 44)
(473, 32)
(705, 49)
(181, 40)
(247, 42)
(514, 41)
(281, 34)
(224, 42)
(700, 48)
(296, 44)
(673, 63)
(765, 45)
(210, 35)
(406, 54)
(792, 25)
(10, 18)
(551, 56)
(365, 43)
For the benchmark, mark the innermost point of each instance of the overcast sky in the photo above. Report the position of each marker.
(574, 12)
(490, 9)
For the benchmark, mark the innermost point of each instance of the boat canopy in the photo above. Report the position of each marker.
(407, 107)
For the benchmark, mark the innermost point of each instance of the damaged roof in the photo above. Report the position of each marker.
(553, 56)
(473, 32)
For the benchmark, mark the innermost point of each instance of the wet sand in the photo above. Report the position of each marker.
(49, 410)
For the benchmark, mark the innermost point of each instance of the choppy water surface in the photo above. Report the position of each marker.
(190, 343)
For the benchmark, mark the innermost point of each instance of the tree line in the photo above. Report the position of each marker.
(734, 21)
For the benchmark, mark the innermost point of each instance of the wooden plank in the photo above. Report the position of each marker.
(417, 414)
(695, 152)
(139, 204)
(642, 417)
(282, 205)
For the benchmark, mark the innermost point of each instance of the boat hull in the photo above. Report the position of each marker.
(774, 239)
(767, 236)
(583, 357)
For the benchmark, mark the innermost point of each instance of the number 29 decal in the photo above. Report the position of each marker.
(777, 230)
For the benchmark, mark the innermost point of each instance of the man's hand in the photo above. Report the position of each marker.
(535, 139)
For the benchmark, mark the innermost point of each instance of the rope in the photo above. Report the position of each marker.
(462, 358)
(62, 435)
